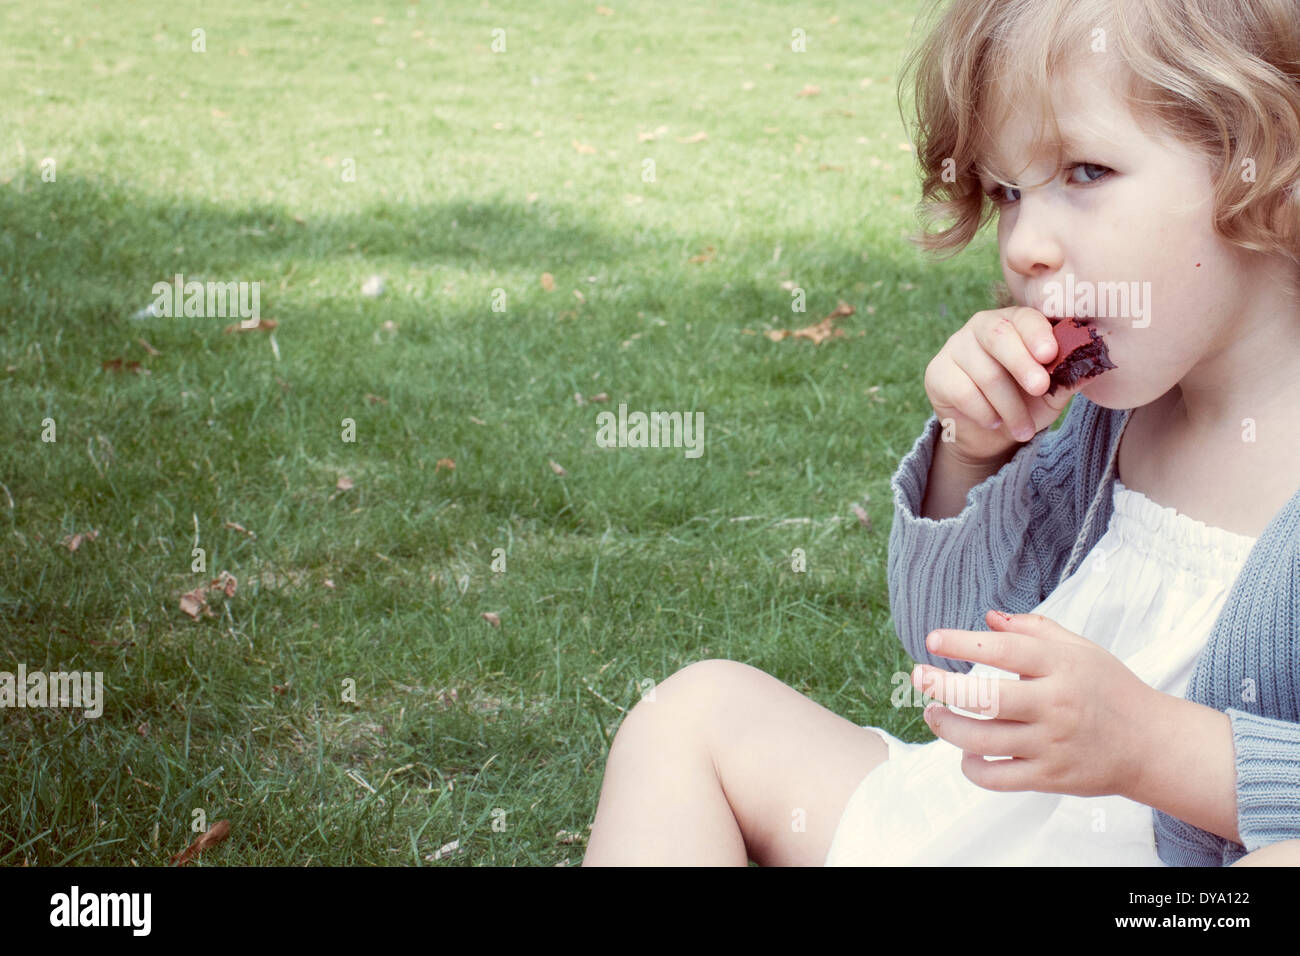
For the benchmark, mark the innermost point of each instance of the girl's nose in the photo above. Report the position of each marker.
(1031, 242)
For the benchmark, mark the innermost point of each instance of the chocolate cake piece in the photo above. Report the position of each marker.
(1081, 354)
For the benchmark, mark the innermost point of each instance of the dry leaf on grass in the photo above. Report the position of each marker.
(448, 849)
(375, 399)
(344, 483)
(263, 325)
(329, 583)
(148, 348)
(705, 256)
(604, 11)
(566, 836)
(442, 463)
(194, 603)
(74, 541)
(583, 148)
(699, 137)
(817, 333)
(121, 365)
(491, 618)
(598, 397)
(558, 470)
(548, 282)
(477, 421)
(809, 90)
(864, 519)
(236, 526)
(214, 835)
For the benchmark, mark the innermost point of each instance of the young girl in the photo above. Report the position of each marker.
(1140, 705)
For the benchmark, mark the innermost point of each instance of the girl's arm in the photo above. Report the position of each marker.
(1191, 768)
(1004, 548)
(1233, 774)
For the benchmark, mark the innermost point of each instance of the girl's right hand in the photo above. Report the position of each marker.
(990, 373)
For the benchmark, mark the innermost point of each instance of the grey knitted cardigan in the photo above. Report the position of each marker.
(1029, 526)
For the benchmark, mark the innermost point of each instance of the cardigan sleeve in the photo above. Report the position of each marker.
(1001, 551)
(1268, 797)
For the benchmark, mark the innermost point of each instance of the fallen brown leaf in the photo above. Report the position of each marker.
(236, 526)
(74, 541)
(817, 333)
(705, 256)
(491, 618)
(604, 11)
(375, 399)
(448, 463)
(864, 519)
(329, 583)
(557, 469)
(477, 421)
(148, 348)
(263, 325)
(195, 603)
(809, 90)
(214, 835)
(548, 282)
(583, 147)
(344, 483)
(121, 365)
(699, 137)
(226, 583)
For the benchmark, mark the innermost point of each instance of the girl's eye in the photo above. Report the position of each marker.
(1104, 170)
(998, 197)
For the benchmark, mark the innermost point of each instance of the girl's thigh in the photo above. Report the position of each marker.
(787, 765)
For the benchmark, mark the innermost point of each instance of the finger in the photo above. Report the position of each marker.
(996, 385)
(954, 389)
(1002, 335)
(987, 738)
(1033, 625)
(1036, 332)
(1027, 654)
(1005, 776)
(986, 694)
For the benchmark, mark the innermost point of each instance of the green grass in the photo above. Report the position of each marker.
(629, 567)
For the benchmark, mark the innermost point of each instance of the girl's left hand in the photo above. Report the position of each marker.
(1077, 722)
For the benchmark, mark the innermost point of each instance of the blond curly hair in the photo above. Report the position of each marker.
(1220, 75)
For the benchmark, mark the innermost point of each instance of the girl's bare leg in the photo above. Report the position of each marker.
(727, 764)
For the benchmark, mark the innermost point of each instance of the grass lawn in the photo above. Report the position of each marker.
(315, 144)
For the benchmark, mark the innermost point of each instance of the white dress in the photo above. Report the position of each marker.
(1149, 592)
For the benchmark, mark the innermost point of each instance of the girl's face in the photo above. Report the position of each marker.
(1130, 209)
